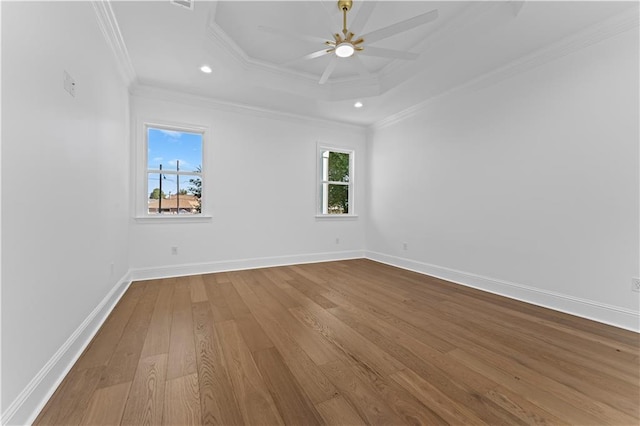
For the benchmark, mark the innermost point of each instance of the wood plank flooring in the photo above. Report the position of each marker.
(350, 342)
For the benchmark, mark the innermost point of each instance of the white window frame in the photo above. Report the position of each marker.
(142, 181)
(320, 182)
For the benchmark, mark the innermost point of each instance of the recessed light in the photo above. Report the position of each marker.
(358, 104)
(206, 69)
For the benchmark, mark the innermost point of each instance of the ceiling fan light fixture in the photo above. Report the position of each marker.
(347, 42)
(345, 49)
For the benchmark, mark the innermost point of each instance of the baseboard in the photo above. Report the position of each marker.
(589, 309)
(138, 274)
(28, 404)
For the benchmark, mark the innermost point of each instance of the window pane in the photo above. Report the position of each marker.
(172, 149)
(174, 194)
(338, 167)
(335, 199)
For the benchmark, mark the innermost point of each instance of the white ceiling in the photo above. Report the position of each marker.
(167, 44)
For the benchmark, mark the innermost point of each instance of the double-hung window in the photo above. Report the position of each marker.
(174, 179)
(335, 167)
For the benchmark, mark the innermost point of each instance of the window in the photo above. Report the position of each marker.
(335, 181)
(174, 171)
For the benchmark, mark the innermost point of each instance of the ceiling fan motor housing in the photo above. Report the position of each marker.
(345, 45)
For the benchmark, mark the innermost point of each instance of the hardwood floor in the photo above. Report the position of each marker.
(351, 342)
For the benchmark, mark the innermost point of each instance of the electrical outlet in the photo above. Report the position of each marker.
(405, 246)
(337, 240)
(113, 267)
(635, 284)
(174, 250)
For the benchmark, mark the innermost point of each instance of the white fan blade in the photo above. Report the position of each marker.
(400, 27)
(359, 66)
(318, 53)
(313, 55)
(330, 8)
(292, 35)
(362, 17)
(323, 12)
(516, 6)
(387, 53)
(327, 72)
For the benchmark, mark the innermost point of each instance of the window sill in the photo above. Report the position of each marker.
(174, 219)
(336, 217)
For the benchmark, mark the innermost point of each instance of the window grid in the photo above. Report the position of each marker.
(335, 181)
(183, 196)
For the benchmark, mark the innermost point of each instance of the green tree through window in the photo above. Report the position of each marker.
(195, 187)
(338, 172)
(156, 194)
(336, 182)
(174, 170)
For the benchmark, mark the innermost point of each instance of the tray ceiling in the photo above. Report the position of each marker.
(167, 44)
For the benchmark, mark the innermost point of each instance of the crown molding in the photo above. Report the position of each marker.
(178, 95)
(596, 33)
(111, 31)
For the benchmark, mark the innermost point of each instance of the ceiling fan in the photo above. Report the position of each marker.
(348, 45)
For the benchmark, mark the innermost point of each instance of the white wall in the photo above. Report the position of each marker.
(262, 186)
(528, 187)
(65, 176)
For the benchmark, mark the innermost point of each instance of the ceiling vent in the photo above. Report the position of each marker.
(187, 4)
